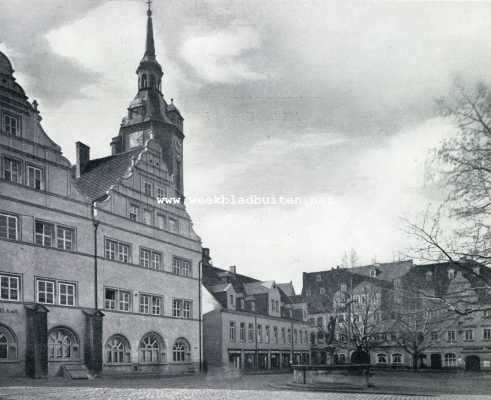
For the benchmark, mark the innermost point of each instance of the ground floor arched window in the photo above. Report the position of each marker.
(381, 358)
(118, 350)
(181, 351)
(63, 344)
(450, 360)
(152, 349)
(396, 358)
(8, 344)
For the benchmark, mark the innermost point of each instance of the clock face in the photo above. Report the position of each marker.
(135, 139)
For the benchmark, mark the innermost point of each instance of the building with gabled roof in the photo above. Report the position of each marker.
(252, 324)
(98, 276)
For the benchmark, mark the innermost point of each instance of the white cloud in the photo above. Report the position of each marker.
(221, 56)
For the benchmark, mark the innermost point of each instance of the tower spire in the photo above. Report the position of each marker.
(150, 43)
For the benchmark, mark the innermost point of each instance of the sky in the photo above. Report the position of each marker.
(330, 105)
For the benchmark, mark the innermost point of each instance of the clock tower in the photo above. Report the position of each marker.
(151, 116)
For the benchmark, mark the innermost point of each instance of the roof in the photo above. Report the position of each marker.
(258, 287)
(101, 174)
(287, 288)
(385, 271)
(5, 65)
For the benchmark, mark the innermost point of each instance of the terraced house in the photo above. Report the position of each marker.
(252, 324)
(404, 315)
(95, 273)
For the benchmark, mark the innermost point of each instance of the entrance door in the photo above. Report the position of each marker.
(234, 360)
(472, 363)
(436, 361)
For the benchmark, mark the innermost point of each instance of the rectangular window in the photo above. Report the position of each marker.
(186, 311)
(34, 177)
(177, 308)
(181, 266)
(115, 299)
(486, 334)
(9, 287)
(268, 334)
(8, 227)
(469, 335)
(115, 250)
(156, 260)
(45, 291)
(156, 305)
(160, 192)
(259, 333)
(147, 188)
(12, 124)
(44, 233)
(66, 293)
(451, 336)
(133, 212)
(12, 170)
(110, 299)
(160, 221)
(145, 258)
(124, 300)
(64, 237)
(231, 331)
(145, 303)
(275, 334)
(250, 333)
(173, 225)
(242, 332)
(147, 217)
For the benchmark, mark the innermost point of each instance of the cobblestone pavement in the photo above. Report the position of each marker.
(68, 393)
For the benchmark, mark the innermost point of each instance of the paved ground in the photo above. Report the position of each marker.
(397, 385)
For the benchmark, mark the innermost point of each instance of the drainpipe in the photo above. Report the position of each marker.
(200, 264)
(255, 335)
(292, 343)
(95, 222)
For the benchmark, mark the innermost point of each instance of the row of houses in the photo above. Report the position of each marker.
(99, 276)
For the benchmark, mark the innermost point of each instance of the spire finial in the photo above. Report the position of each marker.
(150, 44)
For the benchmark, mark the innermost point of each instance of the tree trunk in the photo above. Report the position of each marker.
(415, 361)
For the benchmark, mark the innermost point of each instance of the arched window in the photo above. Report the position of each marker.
(342, 358)
(381, 358)
(396, 358)
(8, 344)
(181, 351)
(152, 81)
(117, 350)
(450, 360)
(63, 344)
(152, 349)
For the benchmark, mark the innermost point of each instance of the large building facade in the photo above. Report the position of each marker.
(405, 315)
(254, 325)
(96, 273)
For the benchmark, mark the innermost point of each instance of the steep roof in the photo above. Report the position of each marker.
(287, 288)
(101, 174)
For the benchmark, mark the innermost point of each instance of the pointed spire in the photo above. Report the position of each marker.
(150, 43)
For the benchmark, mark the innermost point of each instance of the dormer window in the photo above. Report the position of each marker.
(231, 300)
(429, 276)
(319, 277)
(253, 306)
(373, 273)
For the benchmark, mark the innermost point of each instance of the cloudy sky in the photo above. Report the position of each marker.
(330, 102)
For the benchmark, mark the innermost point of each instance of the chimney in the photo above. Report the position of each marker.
(232, 269)
(205, 255)
(116, 145)
(83, 157)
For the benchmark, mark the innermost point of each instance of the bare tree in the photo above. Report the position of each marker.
(422, 327)
(459, 230)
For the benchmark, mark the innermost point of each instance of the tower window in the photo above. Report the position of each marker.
(144, 81)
